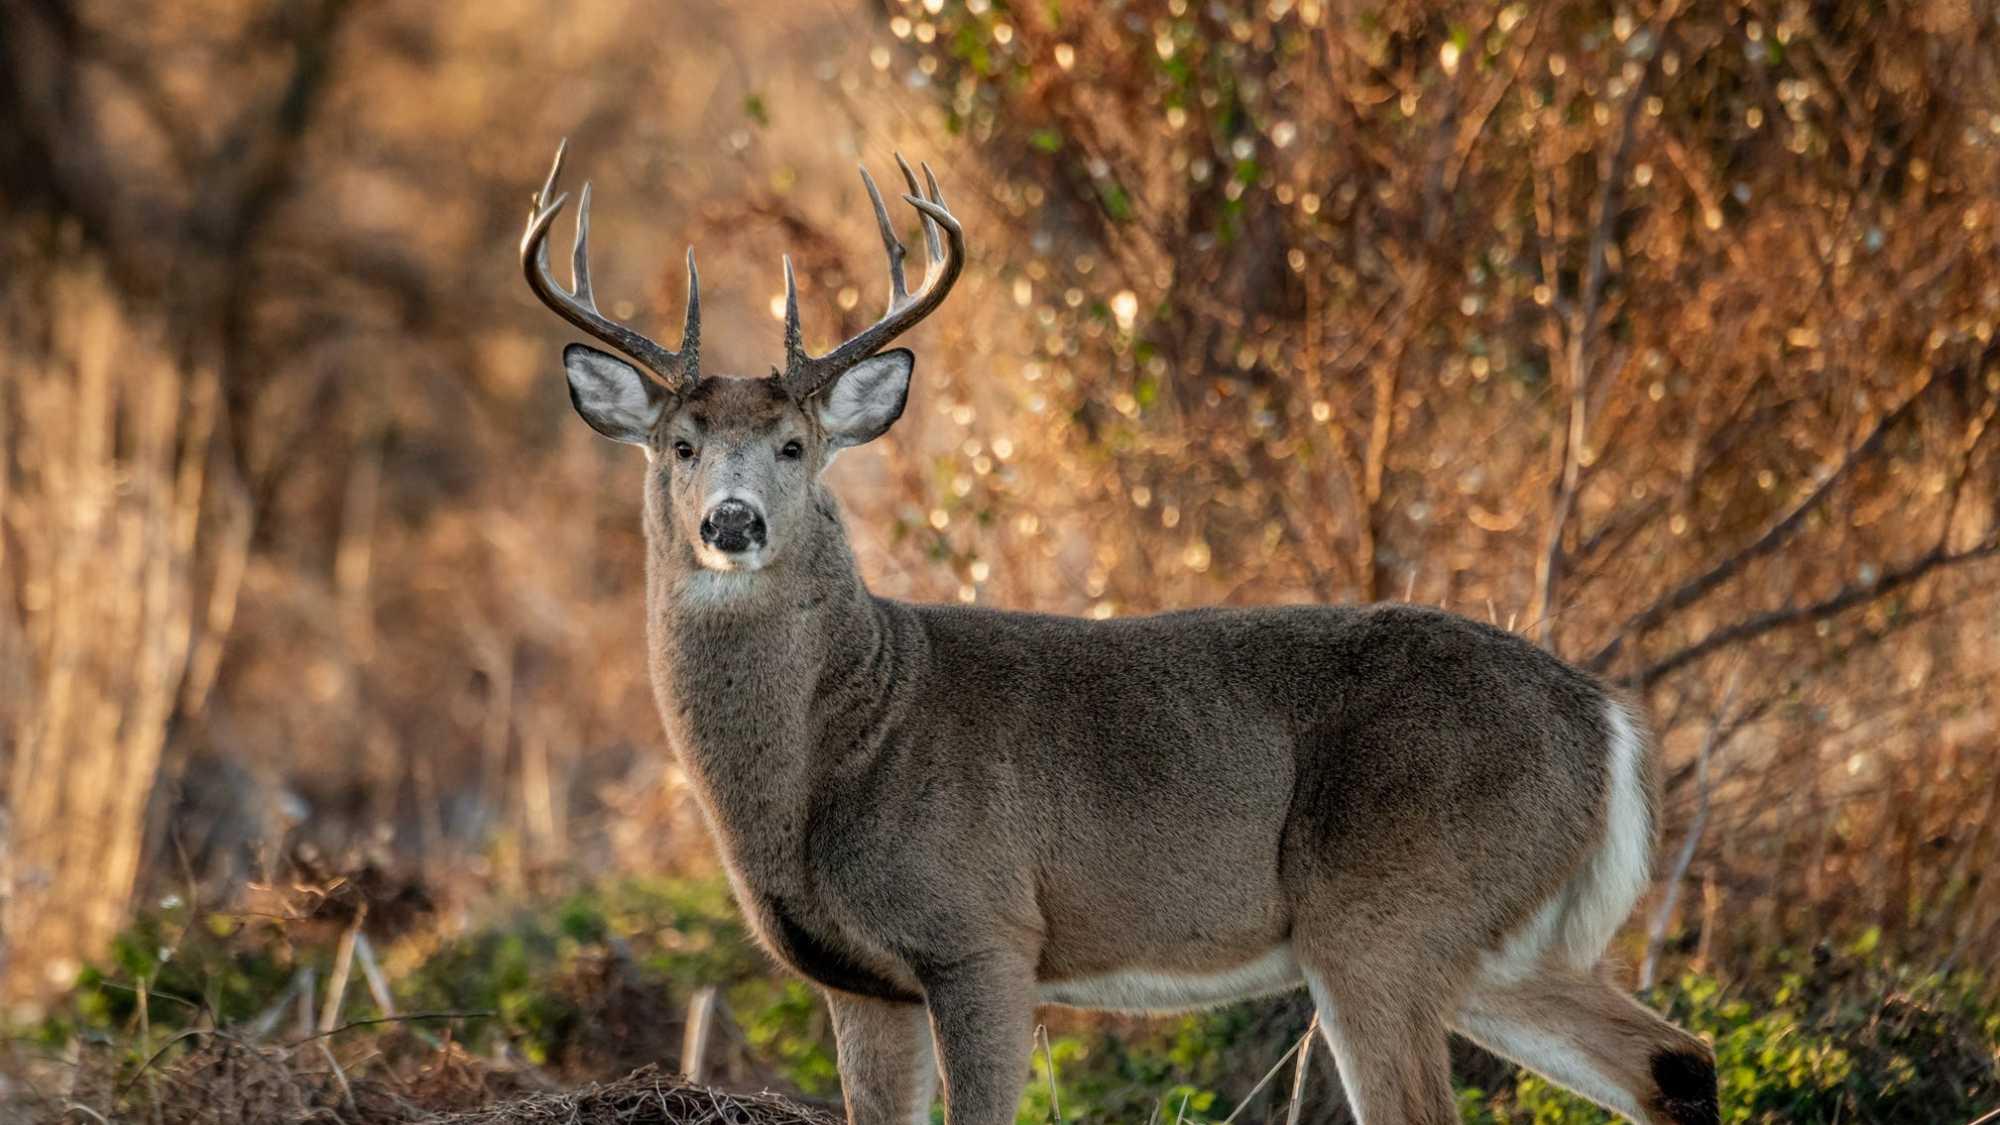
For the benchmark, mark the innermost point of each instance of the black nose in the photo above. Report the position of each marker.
(732, 526)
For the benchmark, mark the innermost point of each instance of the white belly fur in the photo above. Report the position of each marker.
(1159, 990)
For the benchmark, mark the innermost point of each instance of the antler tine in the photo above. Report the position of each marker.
(579, 264)
(691, 325)
(795, 351)
(555, 169)
(936, 195)
(930, 232)
(805, 374)
(678, 370)
(890, 243)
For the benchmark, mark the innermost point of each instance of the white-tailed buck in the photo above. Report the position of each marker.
(946, 816)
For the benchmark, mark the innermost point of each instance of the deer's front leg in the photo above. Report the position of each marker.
(888, 1069)
(983, 1014)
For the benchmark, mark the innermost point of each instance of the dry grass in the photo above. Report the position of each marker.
(224, 1080)
(645, 1097)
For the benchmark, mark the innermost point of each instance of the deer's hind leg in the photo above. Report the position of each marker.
(1578, 1031)
(1382, 1005)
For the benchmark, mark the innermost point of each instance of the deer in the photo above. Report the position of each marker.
(946, 816)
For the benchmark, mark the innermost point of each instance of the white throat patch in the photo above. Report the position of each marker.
(710, 588)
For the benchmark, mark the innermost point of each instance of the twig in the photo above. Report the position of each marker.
(1049, 1063)
(182, 1037)
(1271, 1073)
(1299, 1073)
(1656, 929)
(410, 1017)
(144, 1010)
(343, 966)
(267, 1020)
(150, 992)
(339, 1074)
(694, 1038)
(371, 971)
(308, 987)
(1756, 626)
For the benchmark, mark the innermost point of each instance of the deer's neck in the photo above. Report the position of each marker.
(765, 680)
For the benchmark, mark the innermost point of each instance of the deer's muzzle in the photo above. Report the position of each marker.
(733, 526)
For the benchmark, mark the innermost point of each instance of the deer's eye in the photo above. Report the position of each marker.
(684, 451)
(792, 450)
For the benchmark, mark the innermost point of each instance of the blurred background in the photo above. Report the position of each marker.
(1661, 333)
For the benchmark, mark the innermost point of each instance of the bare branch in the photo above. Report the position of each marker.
(1720, 728)
(1753, 627)
(1773, 536)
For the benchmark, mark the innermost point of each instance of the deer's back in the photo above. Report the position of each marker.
(1223, 760)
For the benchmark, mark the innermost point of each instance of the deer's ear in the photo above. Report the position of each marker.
(613, 396)
(867, 399)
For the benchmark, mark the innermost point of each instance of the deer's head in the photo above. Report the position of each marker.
(737, 458)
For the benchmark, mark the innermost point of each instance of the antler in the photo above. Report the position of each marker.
(806, 375)
(679, 370)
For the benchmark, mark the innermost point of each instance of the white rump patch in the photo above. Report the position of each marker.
(1518, 957)
(1161, 990)
(1580, 920)
(1618, 873)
